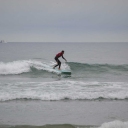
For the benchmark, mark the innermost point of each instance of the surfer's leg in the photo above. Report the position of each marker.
(59, 63)
(55, 66)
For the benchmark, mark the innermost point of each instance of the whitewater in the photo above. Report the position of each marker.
(71, 87)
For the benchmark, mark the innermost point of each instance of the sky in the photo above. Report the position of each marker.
(64, 20)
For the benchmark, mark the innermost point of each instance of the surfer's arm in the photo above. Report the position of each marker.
(64, 58)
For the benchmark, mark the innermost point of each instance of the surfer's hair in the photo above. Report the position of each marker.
(62, 50)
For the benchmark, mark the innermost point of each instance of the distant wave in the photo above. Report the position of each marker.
(29, 66)
(44, 126)
(64, 90)
(112, 124)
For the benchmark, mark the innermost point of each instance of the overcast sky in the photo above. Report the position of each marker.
(64, 20)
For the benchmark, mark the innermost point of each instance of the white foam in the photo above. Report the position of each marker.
(15, 67)
(59, 90)
(115, 124)
(22, 66)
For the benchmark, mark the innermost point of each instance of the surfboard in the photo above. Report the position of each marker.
(61, 71)
(68, 72)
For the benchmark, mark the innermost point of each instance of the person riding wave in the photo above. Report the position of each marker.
(60, 54)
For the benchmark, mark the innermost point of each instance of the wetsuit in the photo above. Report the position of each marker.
(57, 60)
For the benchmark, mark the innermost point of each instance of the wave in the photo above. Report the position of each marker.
(27, 66)
(30, 66)
(97, 67)
(44, 126)
(64, 90)
(113, 124)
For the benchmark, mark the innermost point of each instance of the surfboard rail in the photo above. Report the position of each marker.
(68, 72)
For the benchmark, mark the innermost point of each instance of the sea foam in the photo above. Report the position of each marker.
(24, 66)
(64, 90)
(15, 67)
(115, 124)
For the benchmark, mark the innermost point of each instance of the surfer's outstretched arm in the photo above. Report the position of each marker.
(64, 58)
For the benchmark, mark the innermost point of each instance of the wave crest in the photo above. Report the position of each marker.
(27, 66)
(97, 67)
(115, 124)
(15, 67)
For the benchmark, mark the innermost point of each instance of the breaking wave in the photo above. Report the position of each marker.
(113, 124)
(29, 66)
(64, 90)
(26, 66)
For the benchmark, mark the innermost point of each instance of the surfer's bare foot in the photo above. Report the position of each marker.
(59, 68)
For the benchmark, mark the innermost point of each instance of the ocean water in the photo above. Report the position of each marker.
(99, 73)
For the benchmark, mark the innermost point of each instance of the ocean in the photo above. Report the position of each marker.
(95, 95)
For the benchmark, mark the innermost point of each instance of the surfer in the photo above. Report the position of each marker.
(57, 60)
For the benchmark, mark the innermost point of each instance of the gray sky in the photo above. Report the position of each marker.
(64, 20)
